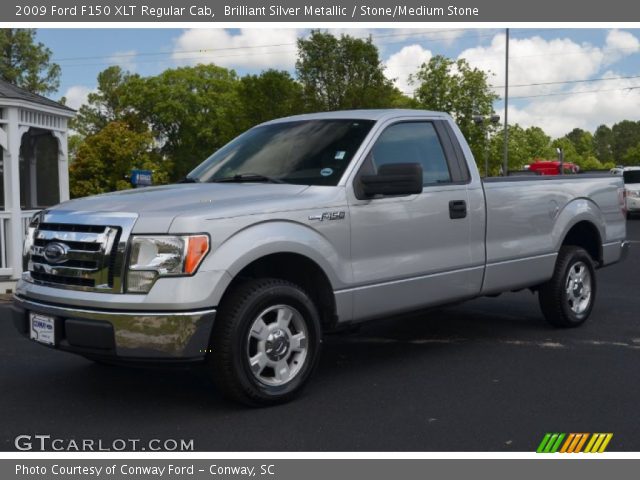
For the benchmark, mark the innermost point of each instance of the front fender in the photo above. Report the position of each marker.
(280, 236)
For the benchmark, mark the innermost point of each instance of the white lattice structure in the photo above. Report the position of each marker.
(34, 170)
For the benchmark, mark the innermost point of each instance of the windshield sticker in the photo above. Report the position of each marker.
(325, 172)
(340, 155)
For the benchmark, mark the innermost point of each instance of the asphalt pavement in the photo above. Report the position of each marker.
(486, 375)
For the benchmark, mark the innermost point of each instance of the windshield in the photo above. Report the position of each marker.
(631, 176)
(312, 152)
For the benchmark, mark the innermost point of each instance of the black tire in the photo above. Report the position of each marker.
(560, 308)
(231, 342)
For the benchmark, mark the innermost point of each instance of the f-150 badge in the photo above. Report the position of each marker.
(328, 216)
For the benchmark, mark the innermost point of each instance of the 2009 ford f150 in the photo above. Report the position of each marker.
(301, 225)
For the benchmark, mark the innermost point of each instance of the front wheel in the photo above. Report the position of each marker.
(265, 342)
(567, 299)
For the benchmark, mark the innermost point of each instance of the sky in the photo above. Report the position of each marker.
(560, 78)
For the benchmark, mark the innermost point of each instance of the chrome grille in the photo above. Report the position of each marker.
(87, 256)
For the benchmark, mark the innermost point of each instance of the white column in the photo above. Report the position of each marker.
(33, 174)
(4, 144)
(63, 164)
(12, 193)
(4, 150)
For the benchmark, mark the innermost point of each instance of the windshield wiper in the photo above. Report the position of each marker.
(247, 177)
(188, 179)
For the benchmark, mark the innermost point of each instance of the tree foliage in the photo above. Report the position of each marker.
(105, 158)
(172, 121)
(632, 155)
(452, 86)
(27, 63)
(603, 143)
(342, 73)
(106, 104)
(582, 142)
(626, 135)
(272, 94)
(192, 111)
(525, 146)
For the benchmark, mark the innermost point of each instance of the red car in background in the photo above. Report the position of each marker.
(552, 167)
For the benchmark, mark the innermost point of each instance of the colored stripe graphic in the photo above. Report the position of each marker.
(598, 442)
(581, 443)
(574, 443)
(569, 441)
(550, 443)
(543, 443)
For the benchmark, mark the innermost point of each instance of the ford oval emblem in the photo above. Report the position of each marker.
(56, 252)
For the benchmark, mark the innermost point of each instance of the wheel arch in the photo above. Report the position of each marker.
(297, 269)
(288, 251)
(585, 234)
(581, 223)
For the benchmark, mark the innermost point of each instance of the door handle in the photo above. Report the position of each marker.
(457, 209)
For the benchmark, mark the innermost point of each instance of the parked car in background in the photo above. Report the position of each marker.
(631, 177)
(552, 167)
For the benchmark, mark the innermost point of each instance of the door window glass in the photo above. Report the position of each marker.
(413, 142)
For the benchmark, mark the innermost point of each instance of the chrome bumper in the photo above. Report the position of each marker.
(126, 335)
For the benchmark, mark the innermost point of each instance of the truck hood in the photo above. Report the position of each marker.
(156, 207)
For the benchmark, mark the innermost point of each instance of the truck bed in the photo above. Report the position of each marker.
(527, 218)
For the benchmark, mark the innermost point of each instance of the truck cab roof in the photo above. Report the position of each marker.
(374, 114)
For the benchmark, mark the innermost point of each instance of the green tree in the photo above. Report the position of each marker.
(106, 104)
(582, 141)
(192, 111)
(342, 73)
(519, 150)
(272, 94)
(626, 135)
(452, 86)
(104, 159)
(590, 163)
(27, 63)
(569, 150)
(603, 143)
(632, 155)
(538, 144)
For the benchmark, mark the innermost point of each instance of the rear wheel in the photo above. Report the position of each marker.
(567, 299)
(265, 342)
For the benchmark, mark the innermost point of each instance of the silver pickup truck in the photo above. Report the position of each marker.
(300, 226)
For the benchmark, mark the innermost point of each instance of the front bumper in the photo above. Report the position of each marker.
(122, 335)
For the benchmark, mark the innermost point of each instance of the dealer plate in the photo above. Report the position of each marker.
(42, 328)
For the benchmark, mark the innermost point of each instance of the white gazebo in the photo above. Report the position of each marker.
(34, 170)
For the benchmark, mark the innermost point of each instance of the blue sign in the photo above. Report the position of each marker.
(141, 178)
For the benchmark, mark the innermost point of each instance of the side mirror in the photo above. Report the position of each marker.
(393, 179)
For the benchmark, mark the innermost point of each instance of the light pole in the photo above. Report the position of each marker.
(505, 160)
(481, 120)
(560, 153)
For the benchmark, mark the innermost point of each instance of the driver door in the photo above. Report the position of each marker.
(411, 251)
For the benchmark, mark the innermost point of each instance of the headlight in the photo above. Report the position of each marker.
(633, 193)
(163, 256)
